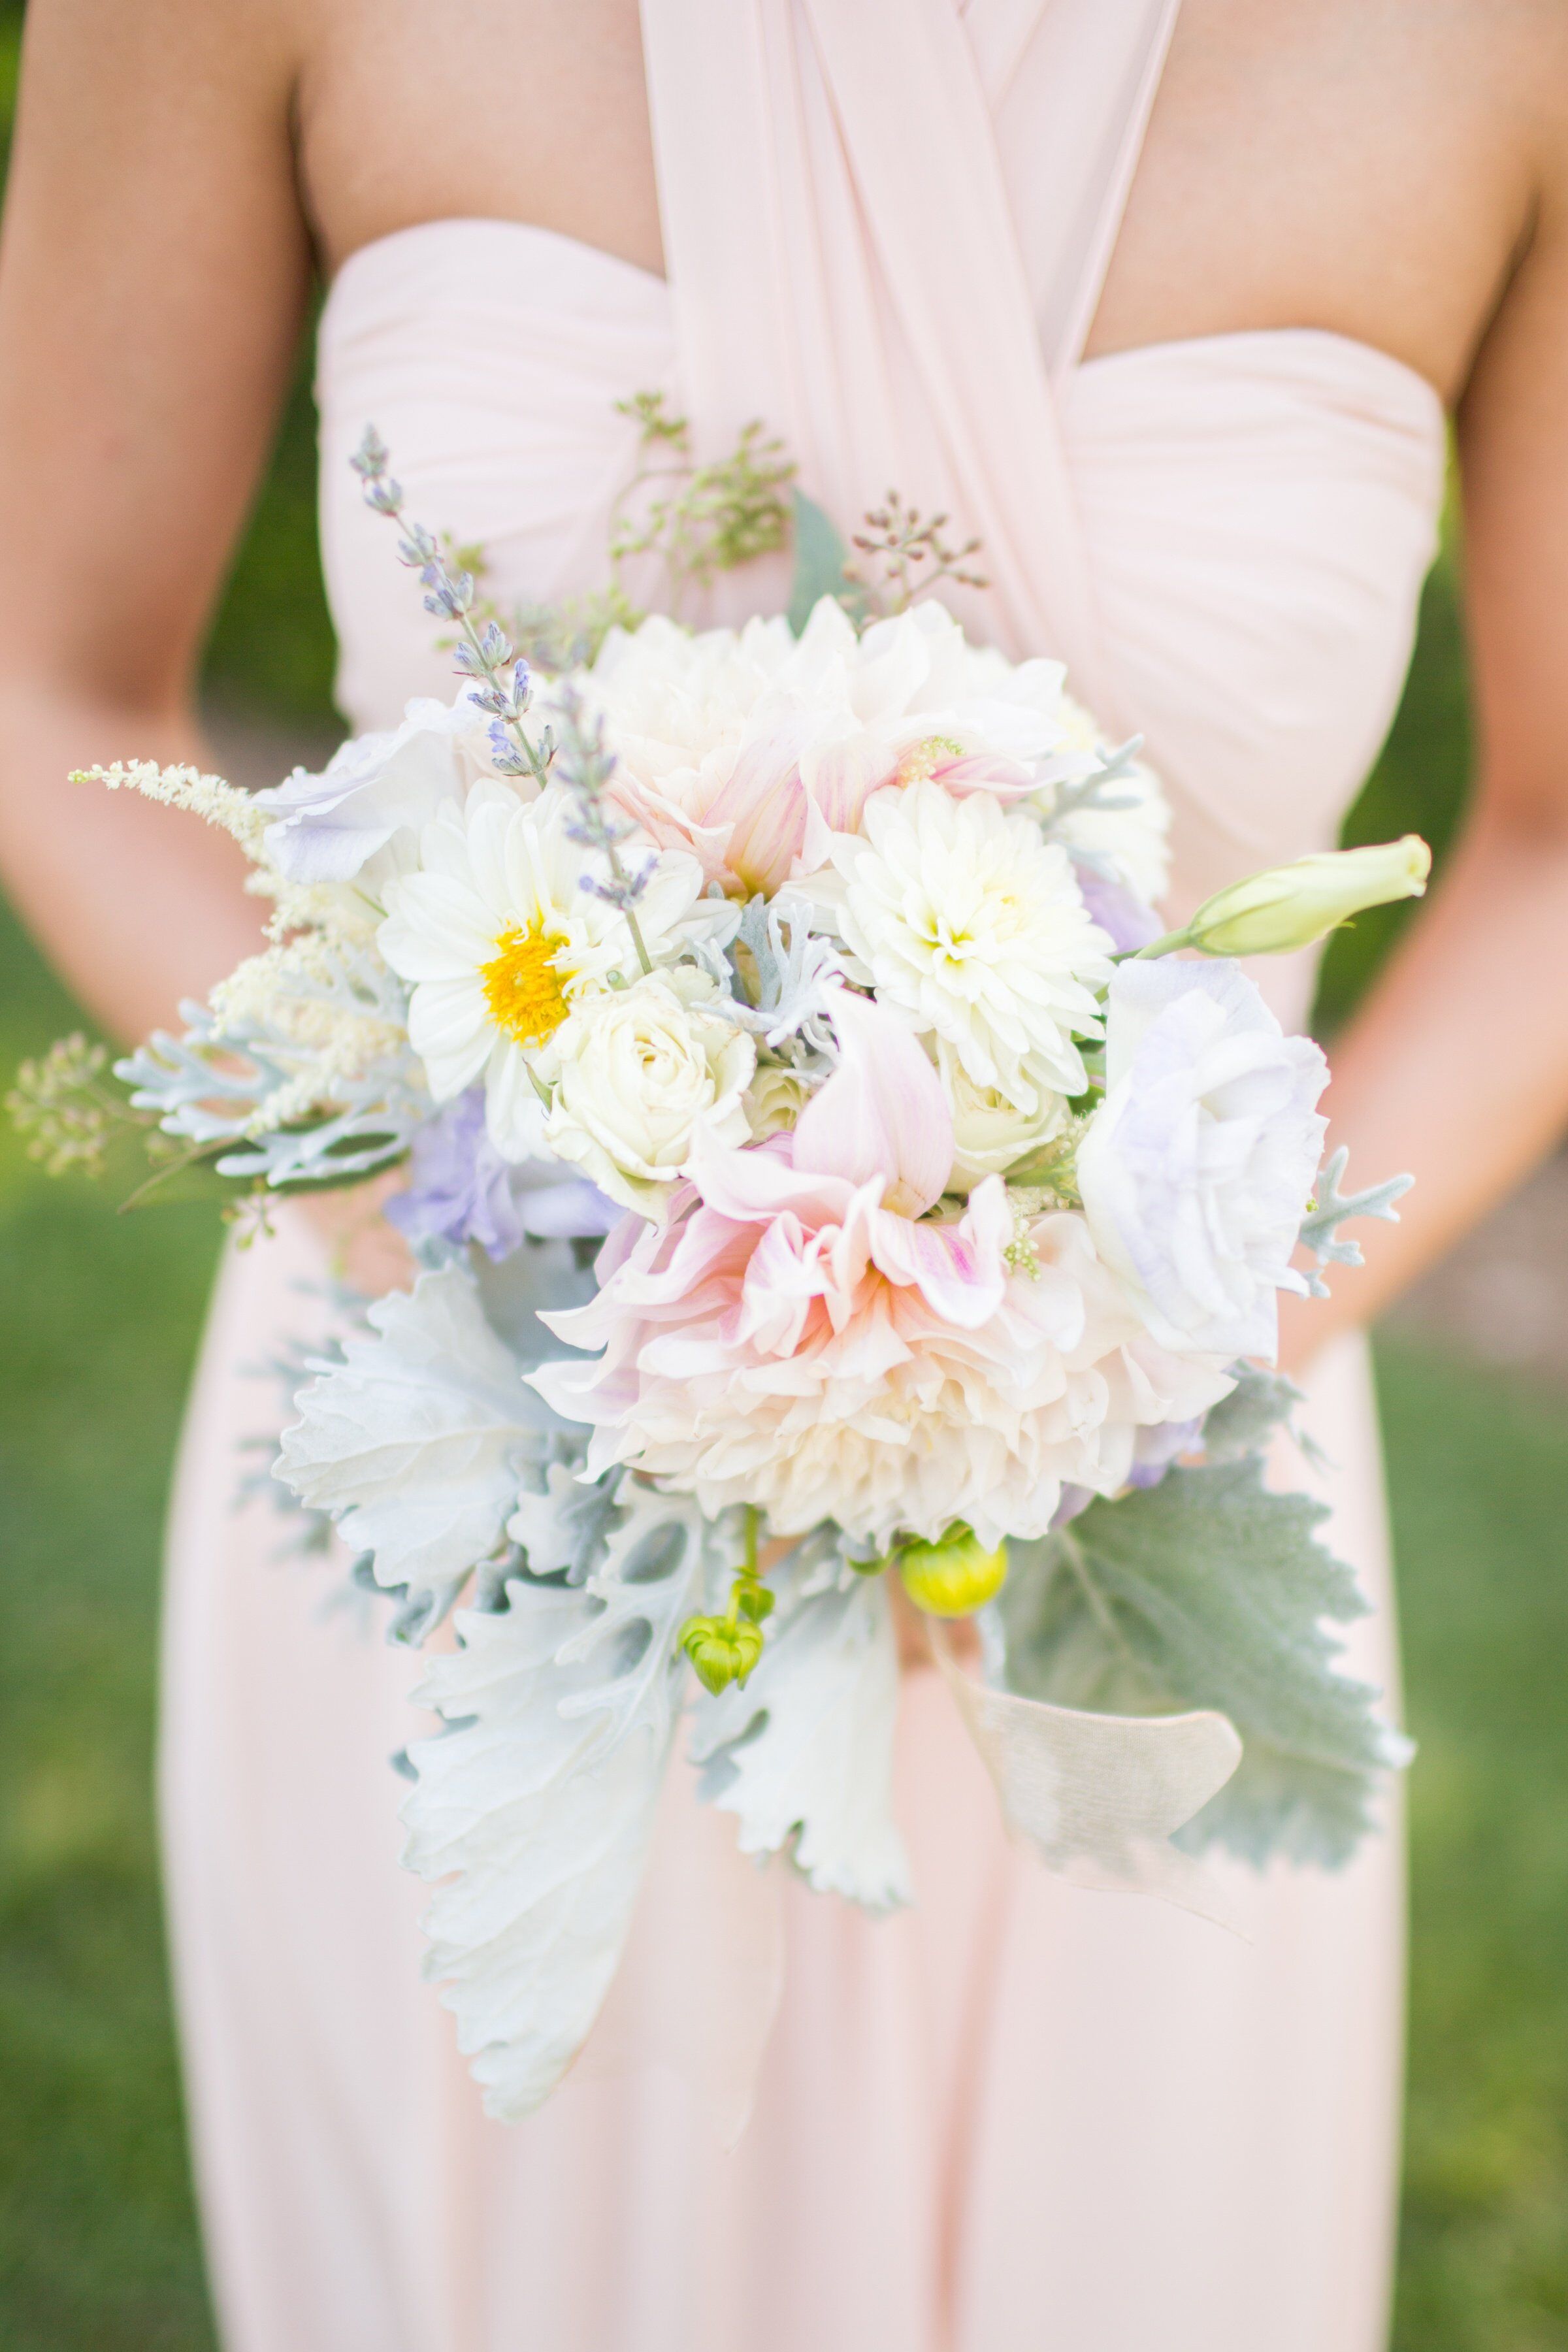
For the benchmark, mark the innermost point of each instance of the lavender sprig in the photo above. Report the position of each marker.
(585, 766)
(580, 760)
(482, 654)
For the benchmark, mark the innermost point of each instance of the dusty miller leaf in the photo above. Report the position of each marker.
(419, 1441)
(215, 1085)
(541, 1795)
(804, 1754)
(1209, 1590)
(1244, 1422)
(1321, 1226)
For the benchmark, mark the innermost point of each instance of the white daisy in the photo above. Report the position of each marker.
(970, 924)
(499, 940)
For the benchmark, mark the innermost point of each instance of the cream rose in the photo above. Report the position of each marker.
(991, 1134)
(775, 1100)
(639, 1069)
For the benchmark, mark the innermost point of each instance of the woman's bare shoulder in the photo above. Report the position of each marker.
(1374, 167)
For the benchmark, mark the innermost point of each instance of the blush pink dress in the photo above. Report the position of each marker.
(1020, 2118)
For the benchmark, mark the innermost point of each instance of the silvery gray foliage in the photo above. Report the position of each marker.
(802, 1755)
(795, 975)
(1209, 1590)
(1321, 1226)
(1244, 1421)
(419, 1442)
(535, 1807)
(211, 1084)
(1094, 793)
(565, 1527)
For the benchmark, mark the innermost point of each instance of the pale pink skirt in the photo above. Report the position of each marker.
(1019, 2119)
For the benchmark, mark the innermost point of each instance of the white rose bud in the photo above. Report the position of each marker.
(640, 1067)
(1290, 906)
(990, 1133)
(775, 1100)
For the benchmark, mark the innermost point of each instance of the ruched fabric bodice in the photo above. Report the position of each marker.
(1258, 511)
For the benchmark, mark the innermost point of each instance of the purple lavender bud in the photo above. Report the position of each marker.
(493, 644)
(504, 753)
(385, 497)
(373, 456)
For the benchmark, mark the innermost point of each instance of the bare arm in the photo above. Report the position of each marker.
(153, 274)
(1457, 1066)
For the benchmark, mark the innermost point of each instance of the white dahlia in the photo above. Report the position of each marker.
(500, 940)
(969, 923)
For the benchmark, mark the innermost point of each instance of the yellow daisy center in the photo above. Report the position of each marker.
(524, 986)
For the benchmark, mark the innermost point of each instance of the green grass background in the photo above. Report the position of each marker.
(98, 1318)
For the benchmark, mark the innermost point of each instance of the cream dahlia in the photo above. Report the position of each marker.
(753, 750)
(803, 1338)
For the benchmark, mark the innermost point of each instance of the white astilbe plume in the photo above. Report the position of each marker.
(804, 1751)
(419, 1442)
(209, 797)
(540, 1797)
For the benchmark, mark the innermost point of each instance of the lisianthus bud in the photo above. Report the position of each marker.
(1290, 906)
(956, 1576)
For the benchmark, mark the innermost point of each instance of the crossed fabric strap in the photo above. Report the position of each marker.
(845, 263)
(845, 266)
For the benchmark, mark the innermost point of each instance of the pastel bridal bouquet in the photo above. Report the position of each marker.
(828, 1179)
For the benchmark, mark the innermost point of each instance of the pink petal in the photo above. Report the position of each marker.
(985, 771)
(783, 1279)
(754, 1183)
(841, 777)
(957, 1276)
(882, 1112)
(764, 802)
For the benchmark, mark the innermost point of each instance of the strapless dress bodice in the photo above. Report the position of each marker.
(1259, 510)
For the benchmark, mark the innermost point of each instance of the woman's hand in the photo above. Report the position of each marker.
(362, 1250)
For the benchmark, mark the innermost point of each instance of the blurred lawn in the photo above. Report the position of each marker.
(98, 1318)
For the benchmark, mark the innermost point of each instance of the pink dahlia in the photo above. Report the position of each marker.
(803, 1335)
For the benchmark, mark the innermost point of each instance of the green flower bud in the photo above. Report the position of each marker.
(721, 1654)
(1290, 906)
(953, 1578)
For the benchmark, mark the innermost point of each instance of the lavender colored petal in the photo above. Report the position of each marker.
(1074, 1500)
(1154, 1449)
(1126, 919)
(461, 1189)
